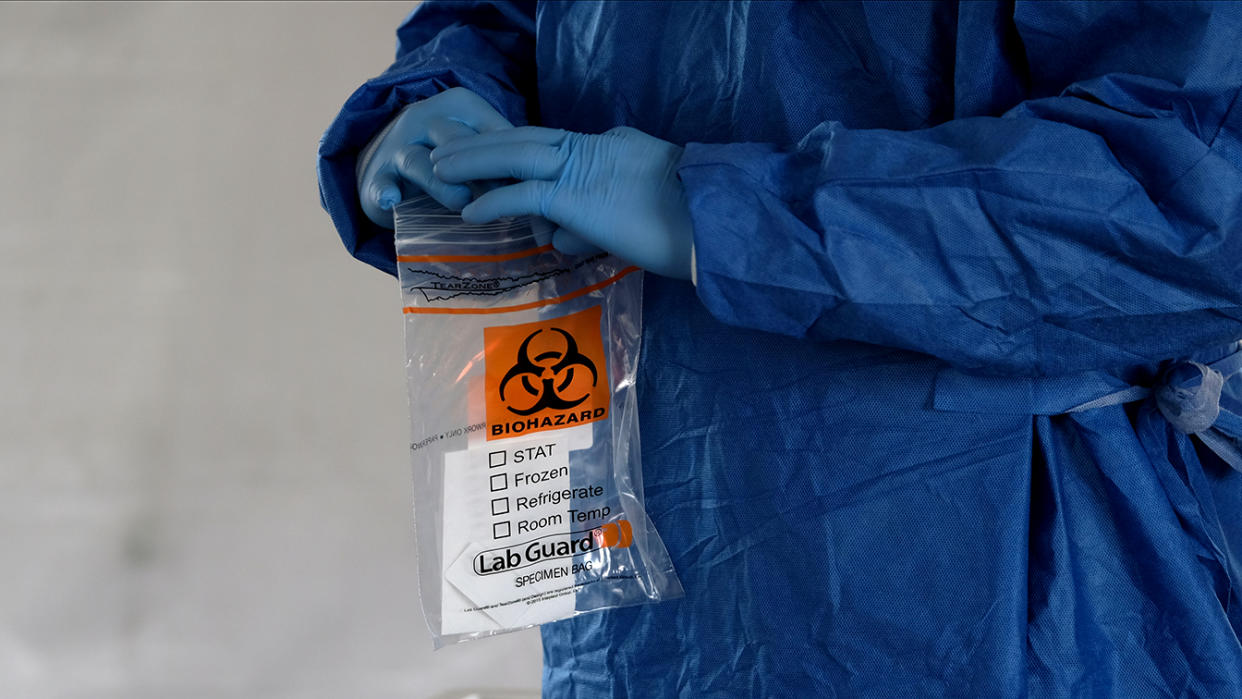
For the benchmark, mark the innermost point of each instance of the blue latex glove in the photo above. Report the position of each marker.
(396, 164)
(617, 190)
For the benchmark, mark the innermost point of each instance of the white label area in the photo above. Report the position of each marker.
(515, 547)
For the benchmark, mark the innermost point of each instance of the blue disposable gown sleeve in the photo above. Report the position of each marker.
(1099, 227)
(487, 47)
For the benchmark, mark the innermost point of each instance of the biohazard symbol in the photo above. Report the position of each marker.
(547, 375)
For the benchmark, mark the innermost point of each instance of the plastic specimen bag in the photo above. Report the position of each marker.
(528, 485)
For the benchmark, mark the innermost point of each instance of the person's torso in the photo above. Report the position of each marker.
(778, 471)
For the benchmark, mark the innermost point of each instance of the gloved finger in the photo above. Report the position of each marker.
(441, 130)
(520, 161)
(572, 244)
(521, 199)
(379, 194)
(520, 134)
(414, 165)
(480, 187)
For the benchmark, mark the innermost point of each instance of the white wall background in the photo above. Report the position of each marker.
(204, 485)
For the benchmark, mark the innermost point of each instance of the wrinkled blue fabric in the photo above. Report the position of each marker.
(924, 233)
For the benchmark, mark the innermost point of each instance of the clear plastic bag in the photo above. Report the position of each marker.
(528, 485)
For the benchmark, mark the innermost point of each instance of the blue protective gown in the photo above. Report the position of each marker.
(925, 234)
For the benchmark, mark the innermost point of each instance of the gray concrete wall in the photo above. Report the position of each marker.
(204, 481)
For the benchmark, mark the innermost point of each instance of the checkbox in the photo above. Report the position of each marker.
(500, 506)
(500, 530)
(496, 458)
(500, 481)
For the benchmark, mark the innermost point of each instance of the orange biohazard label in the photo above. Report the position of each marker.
(546, 375)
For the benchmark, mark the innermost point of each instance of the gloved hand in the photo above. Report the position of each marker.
(395, 164)
(617, 190)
